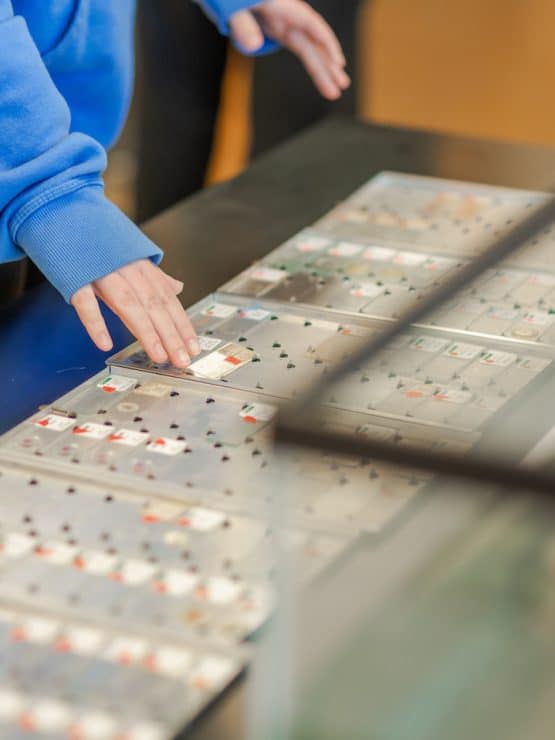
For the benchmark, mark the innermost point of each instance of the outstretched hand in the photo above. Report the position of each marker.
(145, 299)
(299, 28)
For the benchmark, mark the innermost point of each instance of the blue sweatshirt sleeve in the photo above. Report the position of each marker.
(52, 204)
(220, 11)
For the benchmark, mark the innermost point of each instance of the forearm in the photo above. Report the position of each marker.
(46, 172)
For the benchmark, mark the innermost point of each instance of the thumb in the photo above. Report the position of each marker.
(246, 32)
(176, 285)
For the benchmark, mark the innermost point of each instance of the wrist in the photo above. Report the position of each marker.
(80, 237)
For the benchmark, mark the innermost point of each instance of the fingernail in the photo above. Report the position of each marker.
(183, 358)
(194, 347)
(342, 77)
(105, 342)
(159, 353)
(253, 42)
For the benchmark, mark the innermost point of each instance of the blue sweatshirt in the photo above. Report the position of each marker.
(66, 73)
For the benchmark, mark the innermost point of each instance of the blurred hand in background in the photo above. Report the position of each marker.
(302, 30)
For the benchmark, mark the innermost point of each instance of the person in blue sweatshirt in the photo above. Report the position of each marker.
(66, 72)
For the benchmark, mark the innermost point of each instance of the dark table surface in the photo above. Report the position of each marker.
(210, 237)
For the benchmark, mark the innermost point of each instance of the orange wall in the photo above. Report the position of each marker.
(484, 67)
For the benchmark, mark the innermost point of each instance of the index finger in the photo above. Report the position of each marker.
(310, 56)
(119, 296)
(314, 24)
(172, 305)
(300, 16)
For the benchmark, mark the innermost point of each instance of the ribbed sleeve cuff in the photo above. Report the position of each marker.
(80, 237)
(220, 11)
